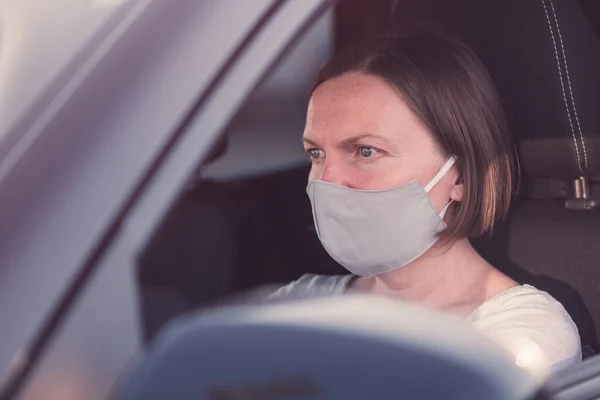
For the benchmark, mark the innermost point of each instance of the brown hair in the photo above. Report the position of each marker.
(450, 90)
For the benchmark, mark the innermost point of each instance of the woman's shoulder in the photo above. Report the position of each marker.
(311, 285)
(532, 325)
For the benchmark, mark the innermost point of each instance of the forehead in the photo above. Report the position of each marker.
(355, 104)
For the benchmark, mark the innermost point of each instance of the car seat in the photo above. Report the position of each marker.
(544, 56)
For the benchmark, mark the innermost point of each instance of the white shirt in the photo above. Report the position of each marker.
(529, 323)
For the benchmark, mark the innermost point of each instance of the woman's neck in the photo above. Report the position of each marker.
(449, 277)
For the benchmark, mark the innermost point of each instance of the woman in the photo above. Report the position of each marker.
(410, 158)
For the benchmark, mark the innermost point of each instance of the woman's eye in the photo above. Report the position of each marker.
(314, 153)
(366, 151)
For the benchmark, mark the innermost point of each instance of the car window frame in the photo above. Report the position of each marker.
(152, 195)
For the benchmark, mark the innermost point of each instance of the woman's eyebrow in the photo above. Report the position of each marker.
(309, 141)
(351, 141)
(355, 139)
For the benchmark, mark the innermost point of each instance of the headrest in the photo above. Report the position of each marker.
(544, 57)
(347, 347)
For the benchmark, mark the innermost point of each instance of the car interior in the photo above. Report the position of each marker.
(228, 235)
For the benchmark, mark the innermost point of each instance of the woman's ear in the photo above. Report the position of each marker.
(457, 188)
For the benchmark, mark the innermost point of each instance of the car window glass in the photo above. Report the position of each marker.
(206, 248)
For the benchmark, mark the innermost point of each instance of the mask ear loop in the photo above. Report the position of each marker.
(443, 213)
(443, 171)
(445, 168)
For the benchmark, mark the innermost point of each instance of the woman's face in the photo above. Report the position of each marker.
(360, 134)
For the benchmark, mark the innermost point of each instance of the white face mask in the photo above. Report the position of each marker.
(370, 232)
